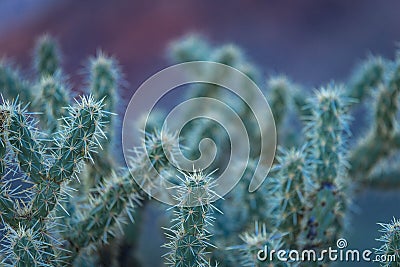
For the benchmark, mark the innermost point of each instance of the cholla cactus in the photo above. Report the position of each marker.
(12, 85)
(47, 56)
(52, 98)
(31, 216)
(116, 197)
(103, 83)
(390, 249)
(368, 76)
(327, 133)
(49, 219)
(279, 88)
(255, 251)
(27, 248)
(382, 138)
(119, 196)
(190, 235)
(49, 97)
(295, 186)
(241, 209)
(316, 201)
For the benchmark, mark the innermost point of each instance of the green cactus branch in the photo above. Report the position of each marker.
(327, 129)
(104, 79)
(294, 176)
(258, 240)
(27, 249)
(382, 139)
(367, 77)
(12, 85)
(387, 179)
(80, 137)
(119, 195)
(47, 56)
(189, 236)
(52, 98)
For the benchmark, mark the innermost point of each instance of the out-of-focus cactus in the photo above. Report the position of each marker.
(366, 78)
(103, 85)
(47, 56)
(104, 82)
(279, 88)
(51, 100)
(381, 140)
(12, 85)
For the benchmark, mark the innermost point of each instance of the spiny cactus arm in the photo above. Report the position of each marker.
(47, 56)
(301, 104)
(22, 137)
(7, 210)
(278, 88)
(81, 136)
(261, 205)
(294, 176)
(104, 76)
(189, 48)
(387, 106)
(258, 240)
(196, 48)
(391, 243)
(12, 85)
(3, 149)
(326, 132)
(228, 54)
(388, 179)
(189, 237)
(104, 82)
(120, 195)
(51, 102)
(367, 77)
(23, 248)
(382, 138)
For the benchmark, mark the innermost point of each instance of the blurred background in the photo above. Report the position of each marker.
(310, 41)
